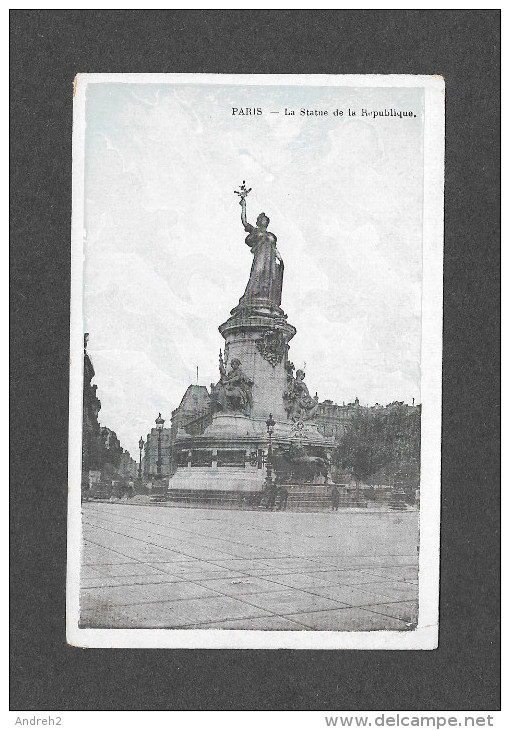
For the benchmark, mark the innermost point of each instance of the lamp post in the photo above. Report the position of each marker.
(141, 444)
(270, 423)
(159, 426)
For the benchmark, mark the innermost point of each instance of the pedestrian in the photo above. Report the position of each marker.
(284, 495)
(271, 497)
(335, 498)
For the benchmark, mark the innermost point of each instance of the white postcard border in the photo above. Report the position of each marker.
(425, 636)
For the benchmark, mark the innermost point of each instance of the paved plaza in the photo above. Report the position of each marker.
(170, 567)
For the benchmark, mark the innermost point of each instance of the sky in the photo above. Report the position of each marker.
(165, 258)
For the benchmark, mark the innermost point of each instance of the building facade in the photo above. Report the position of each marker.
(332, 419)
(192, 416)
(91, 407)
(101, 448)
(127, 465)
(151, 452)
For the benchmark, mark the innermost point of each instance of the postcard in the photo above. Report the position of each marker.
(255, 370)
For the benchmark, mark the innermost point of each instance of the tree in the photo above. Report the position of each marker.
(382, 440)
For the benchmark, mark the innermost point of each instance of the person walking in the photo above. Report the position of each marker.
(335, 498)
(271, 497)
(283, 497)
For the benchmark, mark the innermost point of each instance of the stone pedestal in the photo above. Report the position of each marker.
(229, 456)
(261, 342)
(216, 479)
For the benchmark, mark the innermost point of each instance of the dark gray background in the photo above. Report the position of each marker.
(47, 49)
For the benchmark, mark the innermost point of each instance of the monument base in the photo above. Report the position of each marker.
(237, 425)
(232, 452)
(220, 479)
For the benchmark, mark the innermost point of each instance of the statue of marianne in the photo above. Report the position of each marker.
(264, 288)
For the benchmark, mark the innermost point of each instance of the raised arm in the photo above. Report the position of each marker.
(247, 226)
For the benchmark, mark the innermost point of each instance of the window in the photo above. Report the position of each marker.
(201, 457)
(231, 458)
(182, 458)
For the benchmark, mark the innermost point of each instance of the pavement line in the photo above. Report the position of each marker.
(306, 571)
(208, 562)
(195, 582)
(162, 547)
(312, 560)
(192, 533)
(245, 599)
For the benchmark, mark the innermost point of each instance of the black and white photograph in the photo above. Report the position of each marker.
(255, 389)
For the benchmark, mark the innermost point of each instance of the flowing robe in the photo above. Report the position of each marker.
(299, 404)
(234, 392)
(264, 288)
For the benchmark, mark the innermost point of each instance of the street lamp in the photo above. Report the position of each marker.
(159, 426)
(141, 444)
(270, 423)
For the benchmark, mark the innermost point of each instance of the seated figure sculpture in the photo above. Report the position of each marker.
(299, 404)
(233, 392)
